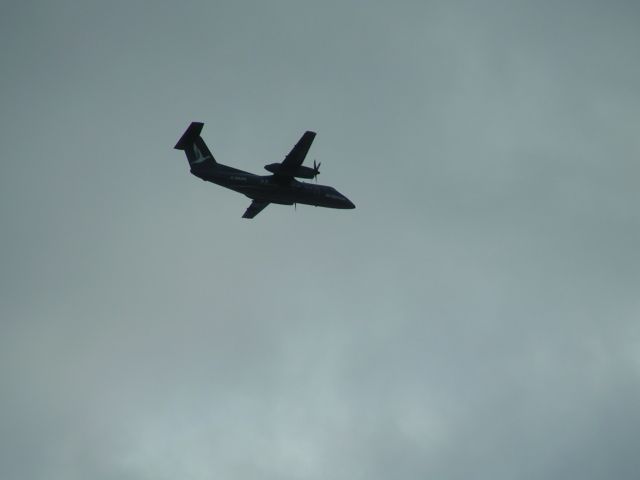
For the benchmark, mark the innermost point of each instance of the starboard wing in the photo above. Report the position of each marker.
(255, 208)
(296, 156)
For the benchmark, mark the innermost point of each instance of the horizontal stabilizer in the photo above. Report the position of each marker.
(189, 136)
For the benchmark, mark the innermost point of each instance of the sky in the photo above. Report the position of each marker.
(476, 316)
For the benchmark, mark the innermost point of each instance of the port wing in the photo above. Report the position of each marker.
(255, 208)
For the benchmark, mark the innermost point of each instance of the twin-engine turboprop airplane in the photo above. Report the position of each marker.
(280, 187)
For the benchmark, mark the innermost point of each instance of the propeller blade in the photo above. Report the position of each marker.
(316, 170)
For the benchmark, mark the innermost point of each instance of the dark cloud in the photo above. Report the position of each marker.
(475, 316)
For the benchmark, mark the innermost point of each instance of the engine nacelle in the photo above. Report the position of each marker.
(300, 172)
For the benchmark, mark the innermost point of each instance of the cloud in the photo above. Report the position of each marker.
(474, 316)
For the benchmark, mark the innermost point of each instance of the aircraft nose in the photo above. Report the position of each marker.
(348, 203)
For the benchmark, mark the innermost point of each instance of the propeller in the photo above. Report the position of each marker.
(316, 170)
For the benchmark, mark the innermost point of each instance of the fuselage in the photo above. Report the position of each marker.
(271, 188)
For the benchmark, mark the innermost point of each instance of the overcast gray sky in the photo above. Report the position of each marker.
(477, 315)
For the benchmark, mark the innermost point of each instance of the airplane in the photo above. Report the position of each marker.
(280, 187)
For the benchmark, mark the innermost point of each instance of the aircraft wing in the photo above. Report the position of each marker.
(255, 208)
(296, 156)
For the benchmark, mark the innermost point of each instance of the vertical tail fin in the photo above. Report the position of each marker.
(194, 147)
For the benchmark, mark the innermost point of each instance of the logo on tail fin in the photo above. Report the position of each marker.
(199, 158)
